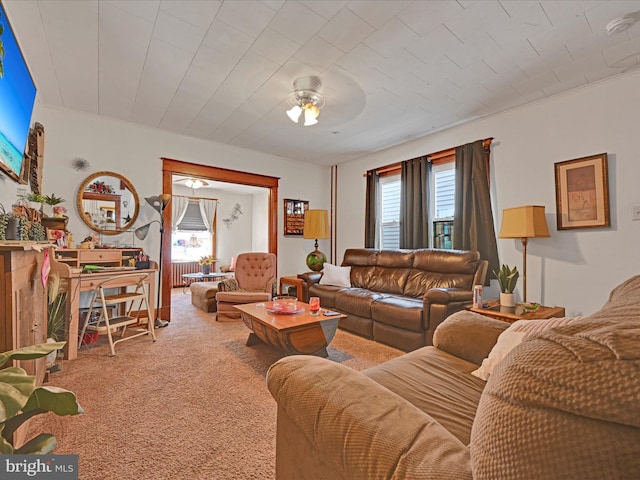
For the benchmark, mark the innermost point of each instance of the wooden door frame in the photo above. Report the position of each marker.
(172, 167)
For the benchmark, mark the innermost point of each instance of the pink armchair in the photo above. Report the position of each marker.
(255, 281)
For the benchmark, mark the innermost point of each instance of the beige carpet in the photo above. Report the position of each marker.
(193, 405)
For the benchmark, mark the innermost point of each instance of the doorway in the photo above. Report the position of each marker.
(171, 167)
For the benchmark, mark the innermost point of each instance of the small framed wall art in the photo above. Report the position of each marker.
(582, 193)
(294, 216)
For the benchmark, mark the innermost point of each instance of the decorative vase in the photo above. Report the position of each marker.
(206, 269)
(508, 299)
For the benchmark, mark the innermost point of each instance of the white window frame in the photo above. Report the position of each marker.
(433, 200)
(381, 222)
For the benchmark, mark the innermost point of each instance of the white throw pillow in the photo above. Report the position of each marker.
(334, 275)
(513, 336)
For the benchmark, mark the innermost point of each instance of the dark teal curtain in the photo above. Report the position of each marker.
(373, 179)
(414, 203)
(473, 219)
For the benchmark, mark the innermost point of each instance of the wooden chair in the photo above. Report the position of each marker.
(107, 324)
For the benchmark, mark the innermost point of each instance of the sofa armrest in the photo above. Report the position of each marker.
(355, 427)
(310, 277)
(468, 335)
(447, 295)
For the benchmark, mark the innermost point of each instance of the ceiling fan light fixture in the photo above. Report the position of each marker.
(294, 113)
(622, 23)
(305, 98)
(310, 115)
(194, 183)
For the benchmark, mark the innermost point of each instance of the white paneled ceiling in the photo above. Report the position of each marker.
(391, 70)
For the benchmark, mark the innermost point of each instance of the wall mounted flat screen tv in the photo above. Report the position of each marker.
(17, 96)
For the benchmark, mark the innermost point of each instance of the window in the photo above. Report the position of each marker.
(389, 221)
(444, 190)
(192, 239)
(443, 204)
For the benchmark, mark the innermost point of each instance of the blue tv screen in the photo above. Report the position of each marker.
(17, 96)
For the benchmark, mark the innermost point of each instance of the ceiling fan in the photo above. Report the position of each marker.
(192, 182)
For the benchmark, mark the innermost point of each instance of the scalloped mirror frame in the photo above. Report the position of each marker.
(81, 211)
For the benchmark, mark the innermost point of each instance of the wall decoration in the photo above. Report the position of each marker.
(235, 214)
(294, 216)
(80, 164)
(582, 193)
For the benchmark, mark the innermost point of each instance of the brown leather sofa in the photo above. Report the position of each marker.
(399, 297)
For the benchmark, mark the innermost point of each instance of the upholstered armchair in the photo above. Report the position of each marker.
(255, 281)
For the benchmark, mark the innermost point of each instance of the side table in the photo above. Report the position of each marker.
(292, 281)
(493, 309)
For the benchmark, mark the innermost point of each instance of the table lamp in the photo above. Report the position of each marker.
(316, 225)
(524, 223)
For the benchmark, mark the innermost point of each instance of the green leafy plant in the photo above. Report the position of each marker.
(35, 197)
(507, 278)
(21, 399)
(53, 200)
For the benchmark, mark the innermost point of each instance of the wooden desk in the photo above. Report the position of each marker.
(73, 282)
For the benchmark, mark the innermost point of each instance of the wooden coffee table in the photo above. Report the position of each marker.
(511, 314)
(299, 333)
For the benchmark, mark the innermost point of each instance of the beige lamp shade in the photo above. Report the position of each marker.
(524, 223)
(528, 221)
(316, 225)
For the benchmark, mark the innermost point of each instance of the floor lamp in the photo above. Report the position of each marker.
(524, 223)
(159, 203)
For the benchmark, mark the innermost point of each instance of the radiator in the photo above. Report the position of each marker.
(178, 268)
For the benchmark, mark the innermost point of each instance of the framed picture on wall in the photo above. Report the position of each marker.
(582, 193)
(294, 216)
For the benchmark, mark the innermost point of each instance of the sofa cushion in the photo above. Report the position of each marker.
(437, 383)
(327, 294)
(512, 337)
(356, 301)
(441, 269)
(362, 262)
(391, 271)
(564, 395)
(401, 312)
(333, 275)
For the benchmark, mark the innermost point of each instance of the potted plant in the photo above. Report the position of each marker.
(205, 264)
(49, 202)
(507, 278)
(35, 200)
(20, 400)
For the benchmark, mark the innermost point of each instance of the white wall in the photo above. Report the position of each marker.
(574, 268)
(236, 236)
(135, 152)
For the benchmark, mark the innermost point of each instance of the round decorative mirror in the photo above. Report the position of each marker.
(107, 203)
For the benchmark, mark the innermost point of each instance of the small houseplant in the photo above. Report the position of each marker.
(20, 400)
(205, 264)
(35, 200)
(507, 278)
(50, 201)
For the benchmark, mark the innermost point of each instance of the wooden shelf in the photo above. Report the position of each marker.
(107, 257)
